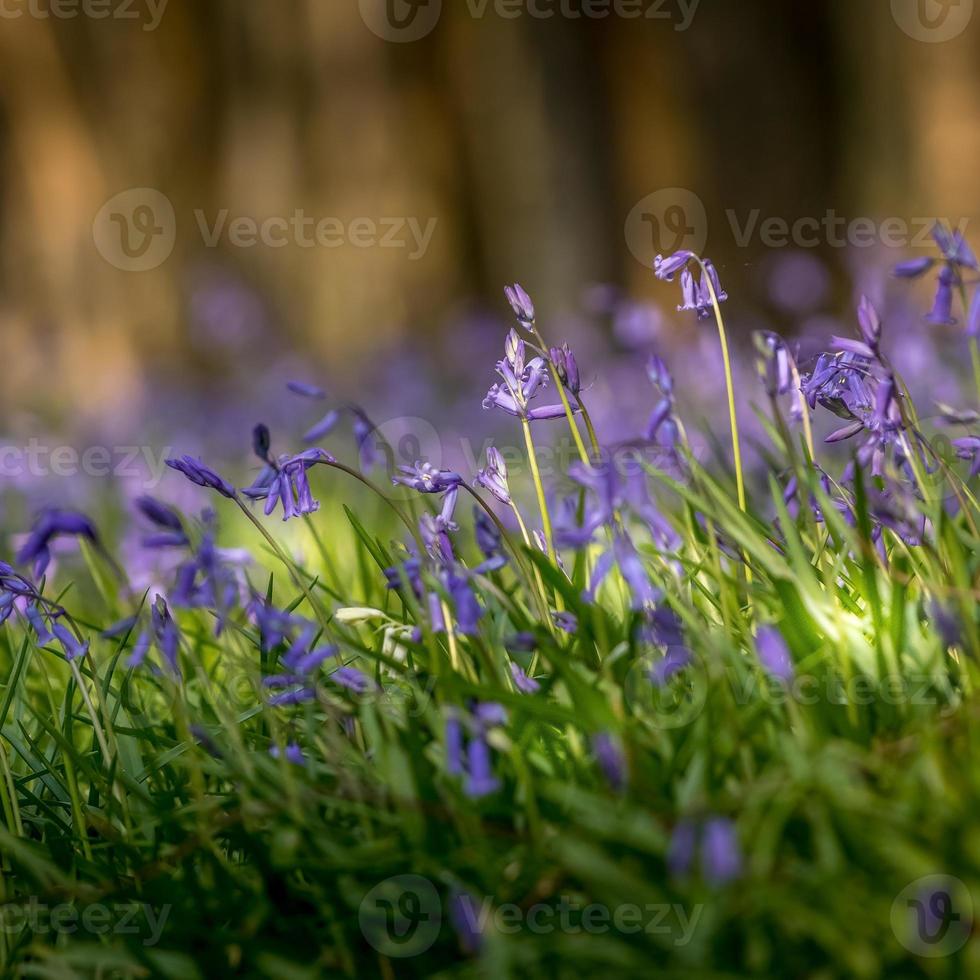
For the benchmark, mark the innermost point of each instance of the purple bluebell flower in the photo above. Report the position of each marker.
(968, 448)
(609, 756)
(324, 427)
(165, 633)
(73, 647)
(670, 665)
(49, 524)
(973, 315)
(464, 914)
(203, 476)
(480, 780)
(775, 363)
(913, 268)
(353, 679)
(493, 476)
(566, 621)
(774, 654)
(367, 448)
(468, 610)
(171, 532)
(681, 849)
(721, 856)
(454, 745)
(488, 540)
(292, 753)
(634, 572)
(36, 618)
(425, 478)
(942, 309)
(522, 382)
(521, 304)
(523, 683)
(666, 269)
(305, 390)
(566, 367)
(262, 442)
(289, 485)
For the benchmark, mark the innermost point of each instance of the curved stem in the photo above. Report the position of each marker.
(733, 418)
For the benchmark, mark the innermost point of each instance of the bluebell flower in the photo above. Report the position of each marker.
(306, 390)
(367, 448)
(522, 382)
(774, 654)
(49, 524)
(566, 621)
(202, 475)
(957, 259)
(493, 476)
(464, 914)
(695, 290)
(454, 745)
(324, 427)
(566, 367)
(523, 683)
(521, 304)
(292, 753)
(942, 308)
(480, 780)
(425, 478)
(609, 756)
(468, 610)
(289, 484)
(171, 532)
(353, 679)
(681, 849)
(721, 856)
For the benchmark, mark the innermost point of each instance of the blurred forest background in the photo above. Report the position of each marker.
(529, 141)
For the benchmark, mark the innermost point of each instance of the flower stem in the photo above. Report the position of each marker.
(733, 418)
(539, 489)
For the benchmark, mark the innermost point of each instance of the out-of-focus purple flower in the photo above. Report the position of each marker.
(523, 683)
(774, 654)
(464, 914)
(306, 390)
(454, 746)
(203, 476)
(634, 572)
(165, 633)
(493, 476)
(973, 316)
(324, 427)
(567, 368)
(913, 268)
(968, 448)
(353, 679)
(942, 308)
(609, 756)
(947, 624)
(775, 366)
(721, 856)
(954, 247)
(367, 448)
(425, 478)
(292, 753)
(171, 533)
(49, 524)
(489, 541)
(73, 647)
(521, 304)
(670, 665)
(468, 610)
(680, 851)
(262, 442)
(565, 621)
(480, 780)
(870, 323)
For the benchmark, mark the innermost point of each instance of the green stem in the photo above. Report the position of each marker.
(733, 418)
(539, 489)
